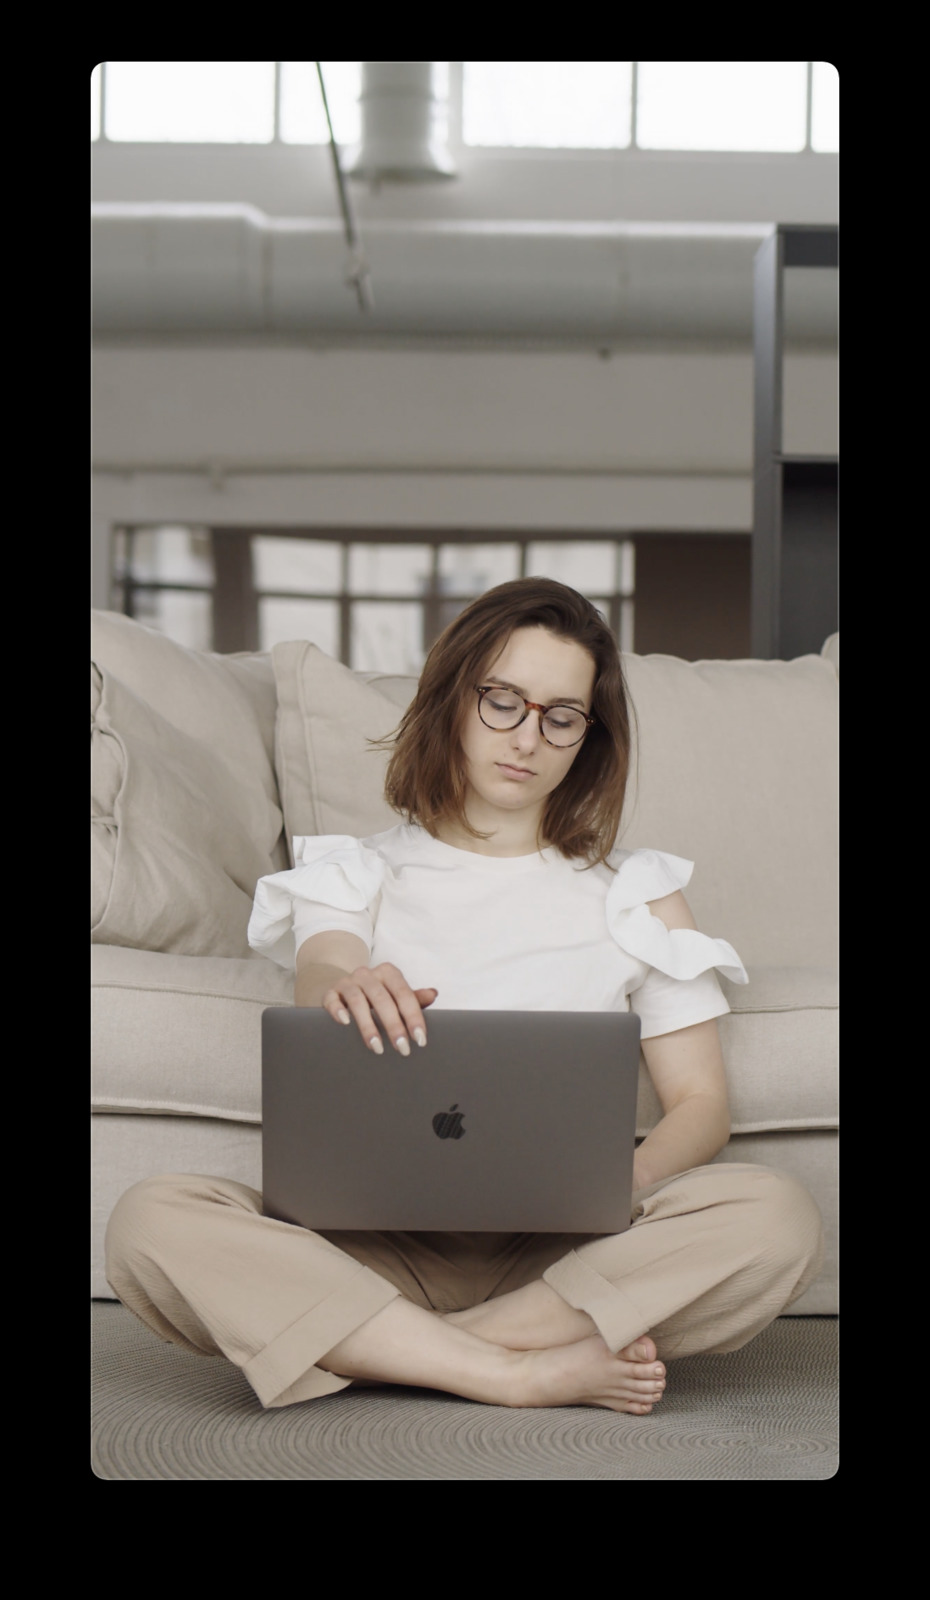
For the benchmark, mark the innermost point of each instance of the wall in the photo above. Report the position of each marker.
(436, 437)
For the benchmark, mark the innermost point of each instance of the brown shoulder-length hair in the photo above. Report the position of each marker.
(426, 779)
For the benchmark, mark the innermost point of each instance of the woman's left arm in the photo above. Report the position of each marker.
(687, 1070)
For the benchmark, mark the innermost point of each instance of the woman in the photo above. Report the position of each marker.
(501, 889)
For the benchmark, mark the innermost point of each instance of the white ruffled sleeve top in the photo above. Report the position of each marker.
(534, 933)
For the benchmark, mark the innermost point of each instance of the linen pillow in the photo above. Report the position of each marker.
(226, 703)
(178, 842)
(737, 771)
(331, 779)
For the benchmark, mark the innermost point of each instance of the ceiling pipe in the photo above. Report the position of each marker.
(405, 123)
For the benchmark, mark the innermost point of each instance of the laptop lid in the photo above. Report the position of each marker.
(507, 1121)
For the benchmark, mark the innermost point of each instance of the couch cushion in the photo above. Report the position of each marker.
(180, 1034)
(178, 842)
(331, 779)
(781, 1046)
(225, 703)
(173, 1034)
(736, 770)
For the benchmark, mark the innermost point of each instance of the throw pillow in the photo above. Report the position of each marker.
(736, 770)
(226, 703)
(177, 840)
(331, 779)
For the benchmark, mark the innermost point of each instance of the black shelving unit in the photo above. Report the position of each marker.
(795, 533)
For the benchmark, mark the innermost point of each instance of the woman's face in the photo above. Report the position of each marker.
(516, 770)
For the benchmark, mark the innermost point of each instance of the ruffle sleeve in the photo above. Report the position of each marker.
(682, 953)
(334, 886)
(680, 987)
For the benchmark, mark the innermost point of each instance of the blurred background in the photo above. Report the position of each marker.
(500, 323)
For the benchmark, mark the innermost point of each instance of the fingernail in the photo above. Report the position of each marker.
(376, 1045)
(402, 1046)
(343, 1016)
(420, 1036)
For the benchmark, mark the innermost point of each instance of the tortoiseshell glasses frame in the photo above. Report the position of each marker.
(530, 705)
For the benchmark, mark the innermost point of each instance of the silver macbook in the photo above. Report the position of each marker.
(506, 1122)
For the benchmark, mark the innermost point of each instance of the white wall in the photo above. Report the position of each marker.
(533, 185)
(436, 437)
(434, 409)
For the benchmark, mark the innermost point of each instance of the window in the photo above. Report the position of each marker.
(721, 105)
(375, 603)
(190, 102)
(303, 120)
(581, 104)
(825, 106)
(790, 106)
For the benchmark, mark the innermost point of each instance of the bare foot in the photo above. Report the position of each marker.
(587, 1373)
(531, 1318)
(404, 1343)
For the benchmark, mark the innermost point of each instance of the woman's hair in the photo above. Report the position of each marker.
(426, 775)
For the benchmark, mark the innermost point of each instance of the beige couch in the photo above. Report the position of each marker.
(204, 766)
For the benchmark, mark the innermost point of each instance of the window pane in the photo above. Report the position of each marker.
(280, 621)
(95, 103)
(470, 569)
(584, 565)
(185, 618)
(168, 555)
(825, 107)
(311, 565)
(194, 102)
(303, 120)
(567, 104)
(448, 611)
(627, 567)
(721, 105)
(387, 637)
(389, 569)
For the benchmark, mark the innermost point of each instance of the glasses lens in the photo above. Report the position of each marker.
(501, 708)
(563, 726)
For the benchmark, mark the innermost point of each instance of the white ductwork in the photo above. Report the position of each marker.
(404, 106)
(190, 269)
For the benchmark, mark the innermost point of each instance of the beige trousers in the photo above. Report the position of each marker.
(712, 1257)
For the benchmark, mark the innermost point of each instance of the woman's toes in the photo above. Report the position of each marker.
(640, 1350)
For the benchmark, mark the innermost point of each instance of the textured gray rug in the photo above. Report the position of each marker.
(767, 1411)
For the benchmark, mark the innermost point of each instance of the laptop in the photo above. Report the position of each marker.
(505, 1122)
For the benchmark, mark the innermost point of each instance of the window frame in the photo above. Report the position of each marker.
(236, 596)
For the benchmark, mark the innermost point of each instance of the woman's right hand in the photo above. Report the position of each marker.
(333, 972)
(372, 995)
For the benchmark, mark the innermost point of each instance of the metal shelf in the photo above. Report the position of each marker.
(790, 459)
(795, 535)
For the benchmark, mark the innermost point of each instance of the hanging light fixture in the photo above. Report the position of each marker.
(405, 119)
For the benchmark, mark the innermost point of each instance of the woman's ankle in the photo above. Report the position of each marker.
(533, 1317)
(407, 1345)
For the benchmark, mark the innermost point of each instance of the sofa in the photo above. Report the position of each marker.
(205, 766)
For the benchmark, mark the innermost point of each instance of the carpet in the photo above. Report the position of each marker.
(768, 1411)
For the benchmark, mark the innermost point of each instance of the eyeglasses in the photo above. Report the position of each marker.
(502, 709)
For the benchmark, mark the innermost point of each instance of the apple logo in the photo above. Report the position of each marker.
(448, 1124)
